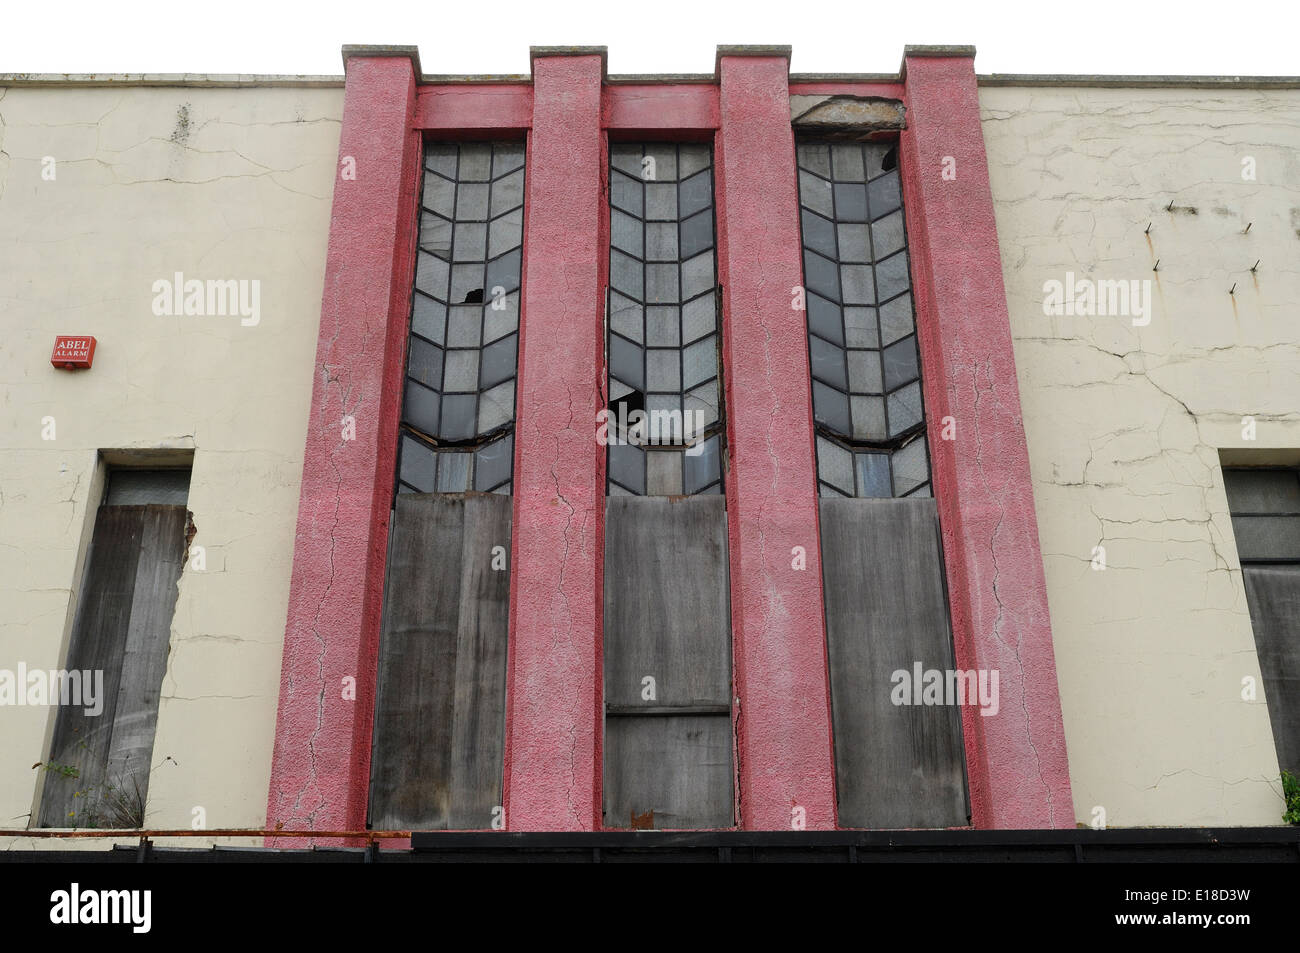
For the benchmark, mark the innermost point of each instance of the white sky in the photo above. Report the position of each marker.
(1246, 37)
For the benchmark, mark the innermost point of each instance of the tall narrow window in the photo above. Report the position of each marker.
(898, 759)
(668, 736)
(437, 753)
(97, 774)
(1265, 507)
(458, 411)
(861, 328)
(664, 380)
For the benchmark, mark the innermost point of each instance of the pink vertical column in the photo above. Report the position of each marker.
(321, 765)
(553, 719)
(1016, 760)
(783, 749)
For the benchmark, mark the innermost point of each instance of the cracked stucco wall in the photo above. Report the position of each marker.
(216, 183)
(1124, 423)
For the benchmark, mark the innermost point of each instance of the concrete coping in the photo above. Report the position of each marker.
(933, 52)
(208, 80)
(410, 52)
(229, 80)
(750, 49)
(1140, 82)
(938, 51)
(536, 52)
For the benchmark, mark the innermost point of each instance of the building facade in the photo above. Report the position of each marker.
(569, 452)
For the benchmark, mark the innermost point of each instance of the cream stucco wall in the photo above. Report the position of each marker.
(216, 183)
(1125, 423)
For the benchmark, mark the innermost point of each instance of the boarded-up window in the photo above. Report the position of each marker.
(97, 774)
(1265, 507)
(667, 663)
(897, 765)
(439, 733)
(438, 742)
(898, 757)
(668, 734)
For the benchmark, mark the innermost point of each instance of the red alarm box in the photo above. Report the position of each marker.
(73, 351)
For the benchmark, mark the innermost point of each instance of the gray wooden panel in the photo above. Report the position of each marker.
(410, 756)
(479, 729)
(896, 766)
(1273, 596)
(677, 766)
(666, 600)
(148, 639)
(439, 732)
(129, 584)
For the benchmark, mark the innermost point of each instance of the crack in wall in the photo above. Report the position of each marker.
(990, 493)
(1129, 422)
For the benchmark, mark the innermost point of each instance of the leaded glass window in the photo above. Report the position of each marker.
(458, 406)
(663, 354)
(862, 346)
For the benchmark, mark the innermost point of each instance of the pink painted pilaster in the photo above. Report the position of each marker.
(321, 763)
(783, 748)
(553, 715)
(1016, 759)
